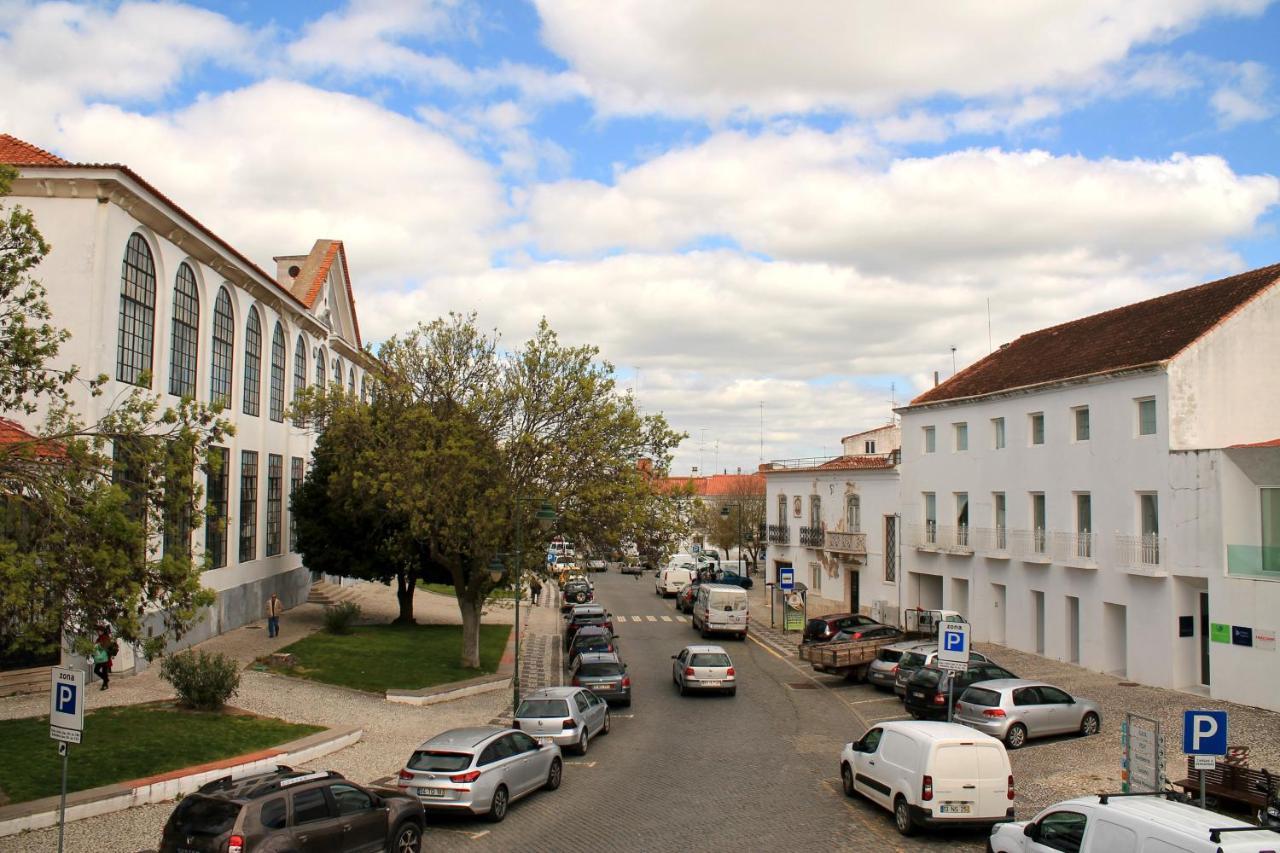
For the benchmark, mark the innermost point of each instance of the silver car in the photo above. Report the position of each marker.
(704, 668)
(565, 716)
(1014, 709)
(604, 675)
(480, 770)
(921, 657)
(884, 669)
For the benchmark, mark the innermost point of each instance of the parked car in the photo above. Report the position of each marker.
(916, 658)
(1015, 709)
(481, 770)
(604, 675)
(632, 569)
(1103, 824)
(684, 598)
(868, 632)
(884, 669)
(582, 615)
(265, 810)
(670, 580)
(565, 716)
(820, 629)
(590, 640)
(927, 688)
(723, 609)
(575, 592)
(734, 579)
(597, 566)
(704, 668)
(930, 774)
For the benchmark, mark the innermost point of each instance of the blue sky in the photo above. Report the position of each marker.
(738, 201)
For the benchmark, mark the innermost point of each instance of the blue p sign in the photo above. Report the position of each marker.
(953, 641)
(1204, 733)
(65, 701)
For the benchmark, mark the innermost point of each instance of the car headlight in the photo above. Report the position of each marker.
(1273, 811)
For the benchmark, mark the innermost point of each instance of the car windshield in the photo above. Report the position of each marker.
(889, 655)
(204, 816)
(980, 696)
(913, 660)
(597, 642)
(926, 678)
(543, 708)
(709, 659)
(430, 759)
(599, 670)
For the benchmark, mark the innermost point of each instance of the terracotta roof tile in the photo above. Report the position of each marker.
(1275, 442)
(12, 433)
(1144, 333)
(15, 152)
(716, 485)
(858, 462)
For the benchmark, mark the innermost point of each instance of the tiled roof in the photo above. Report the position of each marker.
(12, 433)
(1142, 334)
(716, 485)
(15, 152)
(860, 461)
(880, 428)
(1275, 442)
(310, 280)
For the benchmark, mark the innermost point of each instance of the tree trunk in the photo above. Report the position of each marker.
(405, 585)
(470, 604)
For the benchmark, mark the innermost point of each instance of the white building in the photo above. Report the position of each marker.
(1083, 492)
(835, 521)
(145, 288)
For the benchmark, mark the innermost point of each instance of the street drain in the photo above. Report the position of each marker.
(802, 685)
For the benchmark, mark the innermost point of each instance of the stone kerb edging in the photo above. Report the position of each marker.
(43, 813)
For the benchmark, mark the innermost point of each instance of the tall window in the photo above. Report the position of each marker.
(930, 440)
(137, 312)
(1001, 520)
(299, 371)
(364, 389)
(853, 513)
(320, 367)
(1038, 522)
(351, 381)
(815, 511)
(295, 483)
(1084, 524)
(997, 431)
(178, 496)
(215, 525)
(1082, 422)
(1149, 512)
(275, 502)
(186, 325)
(962, 518)
(252, 364)
(782, 509)
(962, 436)
(337, 374)
(276, 404)
(248, 505)
(223, 350)
(1037, 428)
(930, 517)
(1147, 416)
(890, 549)
(1270, 499)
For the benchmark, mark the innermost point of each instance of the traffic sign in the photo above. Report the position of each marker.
(786, 579)
(66, 704)
(1203, 762)
(1204, 732)
(953, 646)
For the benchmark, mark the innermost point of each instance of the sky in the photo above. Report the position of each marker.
(775, 220)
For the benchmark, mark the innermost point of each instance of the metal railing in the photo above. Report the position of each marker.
(923, 535)
(1075, 549)
(780, 534)
(990, 539)
(846, 543)
(1143, 554)
(1030, 544)
(811, 537)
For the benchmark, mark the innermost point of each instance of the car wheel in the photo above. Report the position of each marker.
(1016, 736)
(584, 742)
(406, 839)
(626, 703)
(1089, 725)
(902, 816)
(846, 780)
(555, 775)
(498, 805)
(684, 691)
(733, 691)
(604, 730)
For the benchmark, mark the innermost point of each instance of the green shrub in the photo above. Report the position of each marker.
(338, 618)
(201, 680)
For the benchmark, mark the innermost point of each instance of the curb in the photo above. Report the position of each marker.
(43, 813)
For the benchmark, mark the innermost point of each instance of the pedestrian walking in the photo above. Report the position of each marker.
(535, 587)
(102, 657)
(274, 607)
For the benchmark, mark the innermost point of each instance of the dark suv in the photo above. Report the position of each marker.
(927, 688)
(820, 629)
(287, 809)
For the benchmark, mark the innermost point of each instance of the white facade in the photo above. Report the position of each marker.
(1086, 540)
(89, 215)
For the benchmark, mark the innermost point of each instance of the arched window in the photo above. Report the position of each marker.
(137, 312)
(320, 367)
(351, 381)
(337, 374)
(252, 364)
(186, 335)
(299, 371)
(276, 410)
(224, 335)
(364, 389)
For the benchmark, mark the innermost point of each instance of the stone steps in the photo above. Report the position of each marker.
(17, 681)
(327, 594)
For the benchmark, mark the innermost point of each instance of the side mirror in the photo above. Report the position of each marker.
(673, 657)
(1032, 831)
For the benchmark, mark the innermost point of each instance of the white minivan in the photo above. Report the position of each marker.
(930, 774)
(671, 579)
(721, 608)
(1130, 824)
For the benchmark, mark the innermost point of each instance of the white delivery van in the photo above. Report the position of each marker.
(720, 608)
(930, 774)
(1131, 824)
(671, 579)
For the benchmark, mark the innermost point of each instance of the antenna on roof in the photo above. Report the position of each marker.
(953, 359)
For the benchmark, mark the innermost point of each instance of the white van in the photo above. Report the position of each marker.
(671, 579)
(721, 608)
(930, 774)
(1103, 824)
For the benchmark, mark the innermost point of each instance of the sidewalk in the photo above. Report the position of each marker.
(785, 642)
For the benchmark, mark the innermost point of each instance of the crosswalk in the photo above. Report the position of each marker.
(647, 618)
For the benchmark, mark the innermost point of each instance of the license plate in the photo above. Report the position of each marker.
(543, 740)
(917, 694)
(187, 850)
(431, 793)
(710, 684)
(955, 808)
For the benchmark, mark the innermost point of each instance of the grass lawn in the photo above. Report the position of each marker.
(130, 742)
(447, 589)
(377, 658)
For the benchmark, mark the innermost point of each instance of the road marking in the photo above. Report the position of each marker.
(652, 618)
(615, 716)
(681, 619)
(621, 618)
(666, 618)
(580, 764)
(766, 648)
(877, 699)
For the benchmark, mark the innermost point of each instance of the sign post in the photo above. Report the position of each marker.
(66, 725)
(953, 656)
(1204, 735)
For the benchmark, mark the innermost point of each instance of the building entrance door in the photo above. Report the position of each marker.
(1204, 638)
(853, 591)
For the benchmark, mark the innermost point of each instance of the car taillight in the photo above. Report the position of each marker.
(895, 669)
(576, 682)
(569, 724)
(857, 635)
(405, 774)
(1011, 786)
(688, 670)
(926, 789)
(626, 681)
(939, 699)
(730, 672)
(995, 713)
(235, 844)
(469, 776)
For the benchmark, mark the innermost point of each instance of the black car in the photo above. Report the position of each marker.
(867, 632)
(927, 688)
(280, 809)
(734, 579)
(590, 640)
(575, 592)
(820, 629)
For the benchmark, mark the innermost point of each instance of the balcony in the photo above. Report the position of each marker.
(1078, 550)
(846, 543)
(812, 537)
(1142, 555)
(991, 541)
(779, 534)
(1030, 546)
(1254, 561)
(923, 537)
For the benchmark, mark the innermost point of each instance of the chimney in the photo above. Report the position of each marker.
(287, 269)
(935, 379)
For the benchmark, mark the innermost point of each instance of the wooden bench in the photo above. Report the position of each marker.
(1227, 782)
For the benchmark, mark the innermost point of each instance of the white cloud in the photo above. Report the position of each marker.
(1244, 98)
(760, 57)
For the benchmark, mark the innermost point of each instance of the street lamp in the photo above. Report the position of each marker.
(724, 513)
(545, 515)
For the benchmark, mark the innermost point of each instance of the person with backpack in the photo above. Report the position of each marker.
(535, 589)
(104, 649)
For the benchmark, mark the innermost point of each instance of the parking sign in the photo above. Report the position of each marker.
(953, 646)
(66, 704)
(1204, 732)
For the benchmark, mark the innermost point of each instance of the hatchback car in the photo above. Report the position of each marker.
(927, 688)
(565, 716)
(604, 675)
(704, 668)
(820, 629)
(884, 669)
(277, 809)
(481, 770)
(593, 617)
(916, 658)
(1016, 709)
(590, 640)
